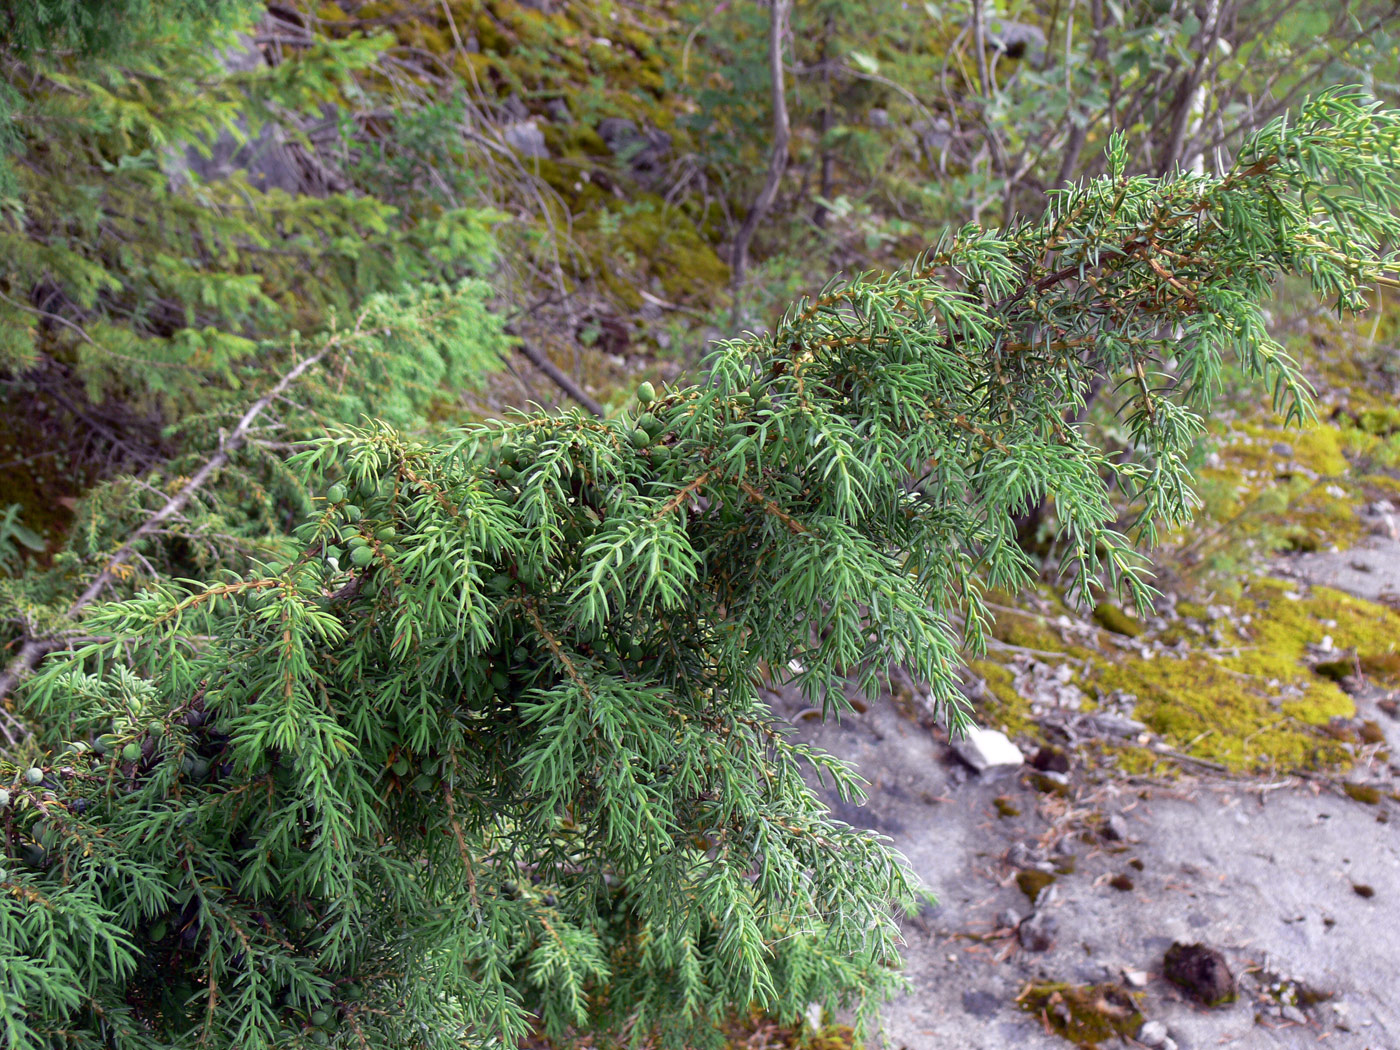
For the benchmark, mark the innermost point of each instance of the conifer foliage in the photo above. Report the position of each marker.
(493, 743)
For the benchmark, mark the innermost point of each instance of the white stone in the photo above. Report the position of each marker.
(1152, 1033)
(984, 749)
(813, 1016)
(1135, 978)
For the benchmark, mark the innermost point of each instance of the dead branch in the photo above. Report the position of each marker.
(35, 649)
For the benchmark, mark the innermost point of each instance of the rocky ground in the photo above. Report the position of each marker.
(1063, 890)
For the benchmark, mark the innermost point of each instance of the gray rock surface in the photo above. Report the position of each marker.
(269, 157)
(1017, 39)
(1370, 570)
(645, 152)
(1262, 871)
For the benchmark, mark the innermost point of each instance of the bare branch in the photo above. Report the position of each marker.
(562, 379)
(778, 156)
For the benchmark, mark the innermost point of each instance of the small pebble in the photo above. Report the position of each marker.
(1115, 828)
(1292, 1013)
(1136, 978)
(1009, 919)
(1201, 972)
(1037, 934)
(1152, 1033)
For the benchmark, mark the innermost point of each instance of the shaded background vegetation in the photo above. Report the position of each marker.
(190, 188)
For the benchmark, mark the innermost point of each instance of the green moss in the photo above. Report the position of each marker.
(1287, 626)
(1191, 610)
(1199, 706)
(1005, 807)
(574, 142)
(1227, 708)
(1252, 702)
(1004, 706)
(1317, 448)
(1086, 1015)
(1380, 486)
(1276, 487)
(1363, 793)
(1033, 882)
(1382, 422)
(1028, 630)
(643, 240)
(1112, 618)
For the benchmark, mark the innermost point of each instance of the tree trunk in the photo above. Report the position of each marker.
(827, 121)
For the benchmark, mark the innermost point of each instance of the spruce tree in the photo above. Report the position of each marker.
(492, 746)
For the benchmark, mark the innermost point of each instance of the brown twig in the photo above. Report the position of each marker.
(562, 379)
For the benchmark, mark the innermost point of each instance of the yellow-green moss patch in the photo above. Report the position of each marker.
(1363, 793)
(1003, 706)
(1111, 618)
(1086, 1015)
(1032, 882)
